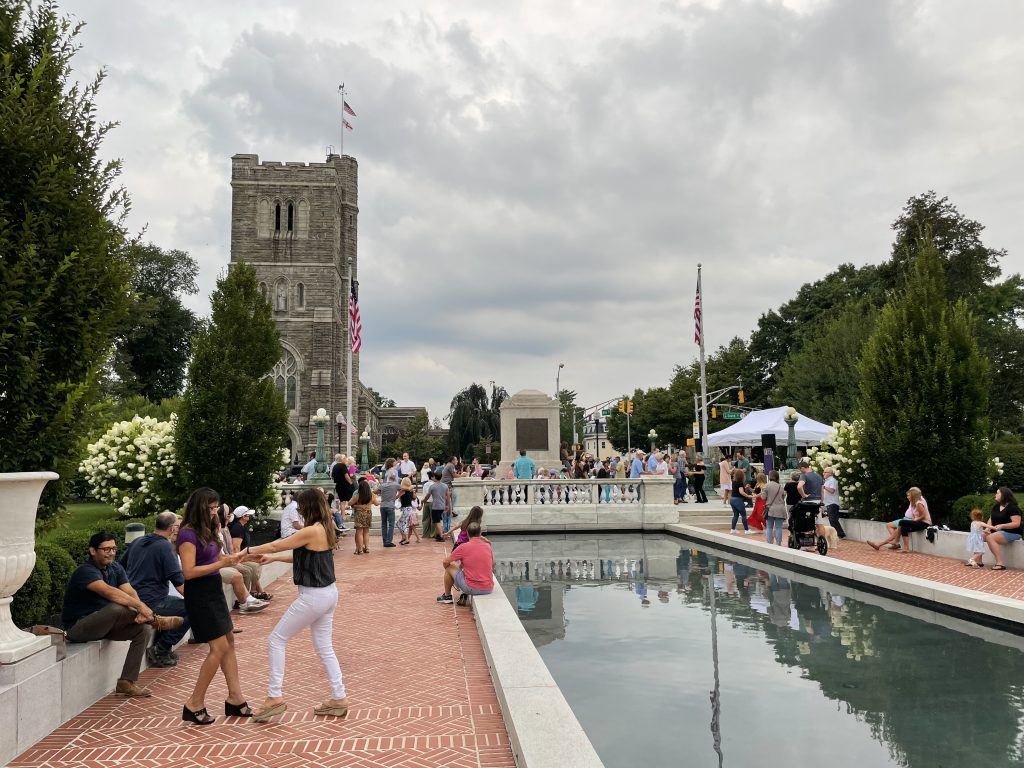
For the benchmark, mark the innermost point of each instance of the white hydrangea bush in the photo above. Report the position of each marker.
(847, 461)
(995, 470)
(128, 466)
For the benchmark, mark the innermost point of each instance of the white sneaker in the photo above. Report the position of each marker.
(253, 606)
(734, 532)
(749, 532)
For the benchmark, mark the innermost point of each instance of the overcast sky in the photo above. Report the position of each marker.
(539, 179)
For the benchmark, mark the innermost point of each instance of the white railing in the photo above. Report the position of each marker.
(514, 493)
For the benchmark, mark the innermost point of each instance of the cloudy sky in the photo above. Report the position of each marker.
(539, 179)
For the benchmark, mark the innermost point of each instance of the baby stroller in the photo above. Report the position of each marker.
(802, 517)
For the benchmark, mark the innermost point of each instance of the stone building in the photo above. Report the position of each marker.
(297, 224)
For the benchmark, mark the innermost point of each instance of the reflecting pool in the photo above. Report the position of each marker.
(674, 654)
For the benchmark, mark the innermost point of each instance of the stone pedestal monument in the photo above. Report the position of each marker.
(530, 421)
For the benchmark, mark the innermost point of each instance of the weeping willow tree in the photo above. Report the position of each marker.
(475, 415)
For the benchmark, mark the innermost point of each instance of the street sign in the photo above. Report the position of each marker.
(696, 430)
(732, 416)
(606, 411)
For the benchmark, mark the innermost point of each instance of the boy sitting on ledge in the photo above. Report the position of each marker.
(469, 568)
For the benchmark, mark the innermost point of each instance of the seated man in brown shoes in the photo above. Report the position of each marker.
(100, 604)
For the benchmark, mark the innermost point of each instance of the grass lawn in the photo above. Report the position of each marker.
(83, 517)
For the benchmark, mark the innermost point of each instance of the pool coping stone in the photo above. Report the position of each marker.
(542, 728)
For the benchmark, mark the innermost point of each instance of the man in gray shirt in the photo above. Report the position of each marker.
(810, 482)
(831, 501)
(439, 494)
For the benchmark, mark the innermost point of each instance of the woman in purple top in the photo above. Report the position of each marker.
(201, 561)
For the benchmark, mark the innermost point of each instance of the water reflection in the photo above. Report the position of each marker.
(748, 652)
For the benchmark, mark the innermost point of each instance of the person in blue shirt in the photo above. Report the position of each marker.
(637, 467)
(652, 462)
(524, 468)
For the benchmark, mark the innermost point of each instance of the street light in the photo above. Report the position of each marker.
(652, 436)
(364, 441)
(558, 376)
(339, 419)
(791, 419)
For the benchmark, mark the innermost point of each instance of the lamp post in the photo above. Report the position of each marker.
(364, 441)
(791, 418)
(652, 436)
(339, 419)
(558, 388)
(320, 419)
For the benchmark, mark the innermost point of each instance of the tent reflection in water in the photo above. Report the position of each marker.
(748, 430)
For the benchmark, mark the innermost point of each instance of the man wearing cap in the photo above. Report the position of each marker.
(150, 563)
(251, 571)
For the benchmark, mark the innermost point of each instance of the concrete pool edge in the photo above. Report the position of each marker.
(542, 728)
(1004, 613)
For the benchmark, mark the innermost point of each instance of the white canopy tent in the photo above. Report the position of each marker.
(748, 430)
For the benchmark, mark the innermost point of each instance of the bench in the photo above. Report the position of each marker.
(951, 544)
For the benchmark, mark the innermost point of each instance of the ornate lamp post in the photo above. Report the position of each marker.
(320, 419)
(791, 419)
(339, 419)
(652, 436)
(364, 441)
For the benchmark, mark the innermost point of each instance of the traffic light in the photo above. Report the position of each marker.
(629, 406)
(622, 406)
(741, 396)
(714, 412)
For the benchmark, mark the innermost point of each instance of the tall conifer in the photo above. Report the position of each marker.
(923, 395)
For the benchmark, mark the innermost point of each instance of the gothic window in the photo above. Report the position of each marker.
(285, 374)
(291, 217)
(263, 218)
(277, 217)
(300, 295)
(281, 296)
(302, 219)
(263, 290)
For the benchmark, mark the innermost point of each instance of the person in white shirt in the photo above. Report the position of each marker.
(310, 466)
(425, 472)
(407, 467)
(290, 519)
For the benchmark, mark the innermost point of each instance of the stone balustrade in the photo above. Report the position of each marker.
(590, 504)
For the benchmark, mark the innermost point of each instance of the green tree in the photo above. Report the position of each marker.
(62, 263)
(822, 379)
(570, 417)
(782, 333)
(233, 422)
(418, 442)
(474, 415)
(380, 400)
(923, 395)
(155, 342)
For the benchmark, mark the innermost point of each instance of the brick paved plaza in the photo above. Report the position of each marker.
(414, 670)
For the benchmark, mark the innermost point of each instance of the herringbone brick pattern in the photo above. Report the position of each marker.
(414, 671)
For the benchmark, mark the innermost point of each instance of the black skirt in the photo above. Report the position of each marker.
(206, 608)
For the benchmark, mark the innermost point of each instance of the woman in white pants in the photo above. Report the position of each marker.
(311, 553)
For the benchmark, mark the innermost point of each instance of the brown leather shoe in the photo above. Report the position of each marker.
(129, 689)
(164, 623)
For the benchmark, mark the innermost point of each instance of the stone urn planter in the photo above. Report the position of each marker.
(19, 499)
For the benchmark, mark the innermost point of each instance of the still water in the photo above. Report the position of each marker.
(672, 654)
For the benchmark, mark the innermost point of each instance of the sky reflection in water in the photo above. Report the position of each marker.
(806, 674)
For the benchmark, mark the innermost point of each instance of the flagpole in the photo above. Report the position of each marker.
(703, 391)
(342, 127)
(348, 364)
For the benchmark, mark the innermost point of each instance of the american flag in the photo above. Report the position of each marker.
(697, 315)
(348, 108)
(355, 324)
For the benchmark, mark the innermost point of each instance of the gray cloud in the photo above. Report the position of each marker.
(538, 183)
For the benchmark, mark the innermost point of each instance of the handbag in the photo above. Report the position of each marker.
(58, 637)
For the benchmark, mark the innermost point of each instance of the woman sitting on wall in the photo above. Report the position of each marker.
(1003, 527)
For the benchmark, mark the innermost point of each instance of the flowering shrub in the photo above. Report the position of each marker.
(847, 462)
(128, 467)
(995, 470)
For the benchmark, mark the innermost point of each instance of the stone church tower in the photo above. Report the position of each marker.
(297, 225)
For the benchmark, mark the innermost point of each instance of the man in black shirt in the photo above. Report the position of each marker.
(100, 604)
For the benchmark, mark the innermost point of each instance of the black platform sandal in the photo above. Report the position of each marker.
(237, 710)
(199, 717)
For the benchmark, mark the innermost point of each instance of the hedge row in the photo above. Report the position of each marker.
(41, 599)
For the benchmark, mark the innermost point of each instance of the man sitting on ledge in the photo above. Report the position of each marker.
(469, 568)
(100, 604)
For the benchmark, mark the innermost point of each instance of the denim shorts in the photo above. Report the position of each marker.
(1009, 537)
(464, 588)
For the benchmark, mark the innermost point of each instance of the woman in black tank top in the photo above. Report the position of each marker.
(311, 553)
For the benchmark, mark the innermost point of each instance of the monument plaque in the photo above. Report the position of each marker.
(532, 434)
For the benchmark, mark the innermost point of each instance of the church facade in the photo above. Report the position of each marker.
(297, 224)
